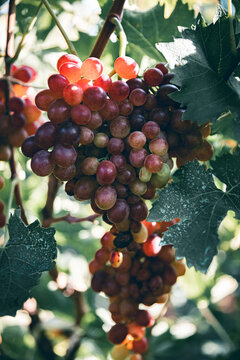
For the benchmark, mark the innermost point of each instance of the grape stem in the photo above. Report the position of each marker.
(108, 28)
(28, 29)
(57, 22)
(71, 219)
(121, 35)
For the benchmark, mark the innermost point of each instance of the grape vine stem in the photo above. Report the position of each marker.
(122, 36)
(108, 28)
(63, 32)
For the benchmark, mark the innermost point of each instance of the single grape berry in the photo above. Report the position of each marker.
(126, 67)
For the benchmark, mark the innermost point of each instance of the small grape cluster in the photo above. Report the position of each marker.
(20, 117)
(2, 215)
(142, 273)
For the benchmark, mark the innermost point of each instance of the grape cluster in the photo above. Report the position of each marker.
(2, 215)
(112, 141)
(142, 273)
(20, 117)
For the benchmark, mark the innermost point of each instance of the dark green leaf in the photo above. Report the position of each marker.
(201, 207)
(29, 251)
(145, 29)
(205, 60)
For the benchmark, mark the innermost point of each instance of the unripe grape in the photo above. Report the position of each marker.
(69, 58)
(138, 187)
(161, 178)
(126, 67)
(141, 236)
(158, 146)
(92, 68)
(101, 140)
(89, 165)
(71, 71)
(144, 174)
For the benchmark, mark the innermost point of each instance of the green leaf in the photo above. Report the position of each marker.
(200, 205)
(29, 251)
(145, 29)
(205, 61)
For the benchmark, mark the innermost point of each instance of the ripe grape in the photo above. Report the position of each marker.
(42, 163)
(94, 98)
(73, 94)
(118, 91)
(57, 83)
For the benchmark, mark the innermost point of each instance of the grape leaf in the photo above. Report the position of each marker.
(139, 27)
(29, 251)
(204, 60)
(201, 207)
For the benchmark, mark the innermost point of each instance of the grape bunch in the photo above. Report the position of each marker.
(141, 273)
(2, 215)
(111, 141)
(19, 117)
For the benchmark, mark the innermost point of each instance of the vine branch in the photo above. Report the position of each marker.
(108, 28)
(70, 219)
(58, 24)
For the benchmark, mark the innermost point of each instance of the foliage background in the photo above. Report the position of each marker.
(202, 317)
